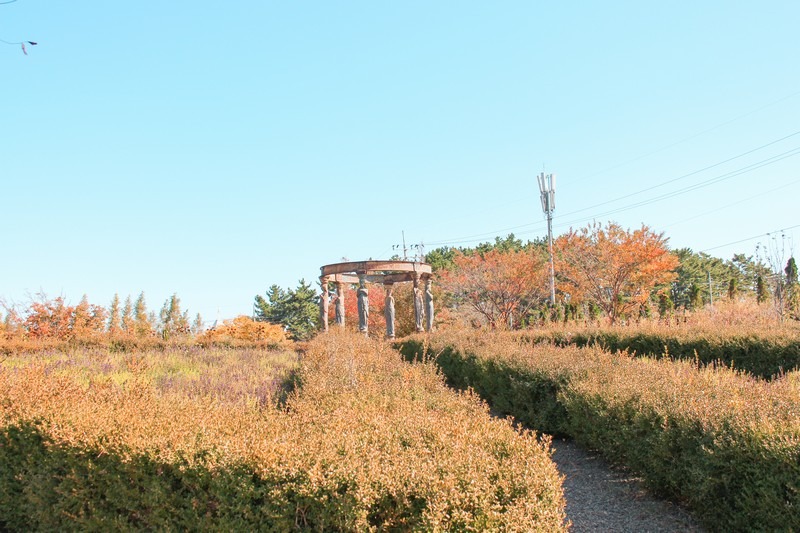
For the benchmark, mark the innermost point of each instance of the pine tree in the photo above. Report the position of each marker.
(172, 321)
(695, 298)
(792, 289)
(197, 325)
(296, 310)
(114, 325)
(127, 316)
(142, 325)
(80, 318)
(761, 290)
(733, 289)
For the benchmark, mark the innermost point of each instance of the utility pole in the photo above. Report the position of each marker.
(547, 188)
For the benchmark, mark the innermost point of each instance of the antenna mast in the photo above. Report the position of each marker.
(547, 189)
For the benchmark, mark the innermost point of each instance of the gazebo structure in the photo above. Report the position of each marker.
(386, 272)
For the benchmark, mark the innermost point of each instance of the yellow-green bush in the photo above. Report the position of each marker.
(724, 443)
(366, 442)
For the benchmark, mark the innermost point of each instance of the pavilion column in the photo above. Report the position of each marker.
(388, 311)
(340, 304)
(363, 303)
(419, 311)
(428, 305)
(324, 302)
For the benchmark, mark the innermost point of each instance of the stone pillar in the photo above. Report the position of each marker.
(324, 300)
(363, 303)
(340, 304)
(419, 311)
(428, 306)
(388, 311)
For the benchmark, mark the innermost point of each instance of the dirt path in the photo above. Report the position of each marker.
(600, 498)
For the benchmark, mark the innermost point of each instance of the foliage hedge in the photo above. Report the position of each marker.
(367, 442)
(762, 356)
(725, 444)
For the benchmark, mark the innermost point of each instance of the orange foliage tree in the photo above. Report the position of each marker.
(54, 319)
(498, 285)
(615, 268)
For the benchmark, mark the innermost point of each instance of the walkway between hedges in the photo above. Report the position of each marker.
(602, 498)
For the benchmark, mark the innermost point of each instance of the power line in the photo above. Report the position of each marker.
(677, 192)
(751, 238)
(748, 199)
(712, 128)
(673, 180)
(690, 188)
(690, 137)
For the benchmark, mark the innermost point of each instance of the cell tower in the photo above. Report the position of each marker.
(547, 188)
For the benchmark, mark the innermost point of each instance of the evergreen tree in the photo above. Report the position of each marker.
(733, 289)
(665, 304)
(142, 325)
(792, 289)
(114, 324)
(171, 320)
(695, 297)
(80, 318)
(270, 310)
(761, 290)
(197, 325)
(127, 316)
(296, 310)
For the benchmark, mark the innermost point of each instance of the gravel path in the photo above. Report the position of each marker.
(601, 498)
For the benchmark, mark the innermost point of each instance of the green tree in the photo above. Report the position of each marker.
(792, 289)
(296, 310)
(695, 297)
(270, 309)
(114, 323)
(761, 290)
(692, 273)
(733, 289)
(441, 258)
(665, 304)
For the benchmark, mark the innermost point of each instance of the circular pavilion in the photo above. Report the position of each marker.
(385, 272)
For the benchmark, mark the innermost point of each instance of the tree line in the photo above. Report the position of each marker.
(54, 318)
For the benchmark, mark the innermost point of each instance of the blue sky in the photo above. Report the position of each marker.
(213, 149)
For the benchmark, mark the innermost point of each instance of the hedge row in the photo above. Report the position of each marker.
(366, 442)
(725, 444)
(764, 357)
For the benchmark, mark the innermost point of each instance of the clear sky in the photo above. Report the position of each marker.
(215, 148)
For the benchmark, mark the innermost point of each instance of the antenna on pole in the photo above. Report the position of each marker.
(547, 190)
(405, 249)
(420, 255)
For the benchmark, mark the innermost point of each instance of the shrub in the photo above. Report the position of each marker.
(724, 443)
(367, 442)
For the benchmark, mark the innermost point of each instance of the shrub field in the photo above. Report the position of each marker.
(720, 441)
(213, 439)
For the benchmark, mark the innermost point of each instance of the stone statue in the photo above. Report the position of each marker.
(388, 312)
(418, 308)
(428, 306)
(324, 302)
(340, 304)
(363, 304)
